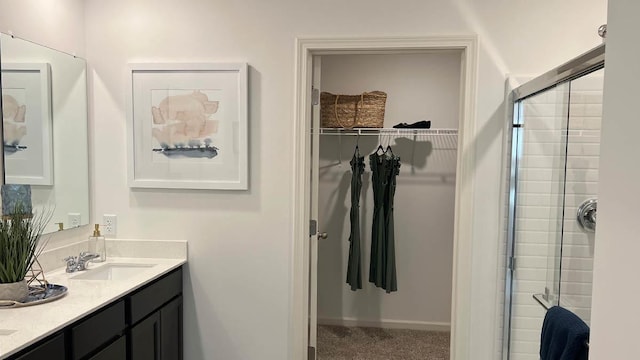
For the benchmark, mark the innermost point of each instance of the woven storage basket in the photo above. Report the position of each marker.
(352, 111)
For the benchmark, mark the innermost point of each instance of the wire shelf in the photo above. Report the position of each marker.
(388, 131)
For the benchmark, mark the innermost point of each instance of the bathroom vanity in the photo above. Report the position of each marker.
(123, 315)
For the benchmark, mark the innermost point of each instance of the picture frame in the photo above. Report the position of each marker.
(188, 126)
(27, 123)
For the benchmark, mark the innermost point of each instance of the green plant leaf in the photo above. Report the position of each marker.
(20, 242)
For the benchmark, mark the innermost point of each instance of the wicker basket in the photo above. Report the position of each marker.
(352, 111)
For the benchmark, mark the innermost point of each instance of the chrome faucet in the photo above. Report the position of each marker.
(79, 263)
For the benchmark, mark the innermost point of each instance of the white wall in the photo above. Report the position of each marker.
(58, 24)
(239, 269)
(419, 86)
(615, 283)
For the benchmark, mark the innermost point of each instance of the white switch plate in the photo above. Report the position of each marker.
(109, 224)
(74, 220)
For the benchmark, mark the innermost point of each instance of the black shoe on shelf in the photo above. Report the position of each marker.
(424, 124)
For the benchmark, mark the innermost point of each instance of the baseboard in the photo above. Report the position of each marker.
(387, 324)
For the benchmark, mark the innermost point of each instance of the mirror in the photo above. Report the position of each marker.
(44, 119)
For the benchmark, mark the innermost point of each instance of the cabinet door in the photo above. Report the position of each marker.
(116, 351)
(171, 330)
(51, 350)
(145, 339)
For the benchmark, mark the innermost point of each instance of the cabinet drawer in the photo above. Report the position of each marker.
(150, 298)
(52, 349)
(97, 330)
(116, 351)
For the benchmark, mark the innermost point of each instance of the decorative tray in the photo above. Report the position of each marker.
(37, 295)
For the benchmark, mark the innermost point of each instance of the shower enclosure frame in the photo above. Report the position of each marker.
(582, 65)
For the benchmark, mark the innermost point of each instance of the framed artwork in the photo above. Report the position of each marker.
(27, 123)
(187, 126)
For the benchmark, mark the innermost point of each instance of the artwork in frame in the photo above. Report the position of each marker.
(27, 123)
(188, 126)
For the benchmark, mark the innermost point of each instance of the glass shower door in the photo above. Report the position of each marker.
(538, 180)
(554, 170)
(582, 169)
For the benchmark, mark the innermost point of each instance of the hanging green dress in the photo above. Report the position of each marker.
(391, 283)
(354, 265)
(376, 163)
(384, 169)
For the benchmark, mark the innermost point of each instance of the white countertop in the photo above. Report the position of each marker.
(21, 327)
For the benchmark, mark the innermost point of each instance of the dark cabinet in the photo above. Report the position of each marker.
(156, 316)
(145, 339)
(115, 351)
(98, 329)
(171, 330)
(52, 349)
(150, 298)
(159, 336)
(143, 325)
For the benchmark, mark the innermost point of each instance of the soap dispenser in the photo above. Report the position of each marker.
(97, 245)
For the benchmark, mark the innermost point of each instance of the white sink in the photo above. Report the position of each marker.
(113, 272)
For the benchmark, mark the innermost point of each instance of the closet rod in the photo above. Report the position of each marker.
(388, 131)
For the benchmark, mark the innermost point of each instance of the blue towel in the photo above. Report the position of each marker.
(564, 336)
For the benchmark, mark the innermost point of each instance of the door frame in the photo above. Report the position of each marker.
(306, 48)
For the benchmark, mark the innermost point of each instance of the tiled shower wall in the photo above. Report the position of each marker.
(540, 206)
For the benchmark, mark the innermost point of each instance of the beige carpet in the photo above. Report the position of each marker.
(356, 343)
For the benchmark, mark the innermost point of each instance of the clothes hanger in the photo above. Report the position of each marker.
(356, 151)
(380, 148)
(340, 149)
(388, 150)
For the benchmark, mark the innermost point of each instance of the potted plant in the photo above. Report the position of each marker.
(20, 245)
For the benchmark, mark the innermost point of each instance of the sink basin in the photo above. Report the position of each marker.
(113, 272)
(4, 332)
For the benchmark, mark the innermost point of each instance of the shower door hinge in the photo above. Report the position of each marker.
(315, 96)
(518, 125)
(312, 353)
(313, 227)
(512, 263)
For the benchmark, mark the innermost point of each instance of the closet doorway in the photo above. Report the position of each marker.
(425, 79)
(414, 321)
